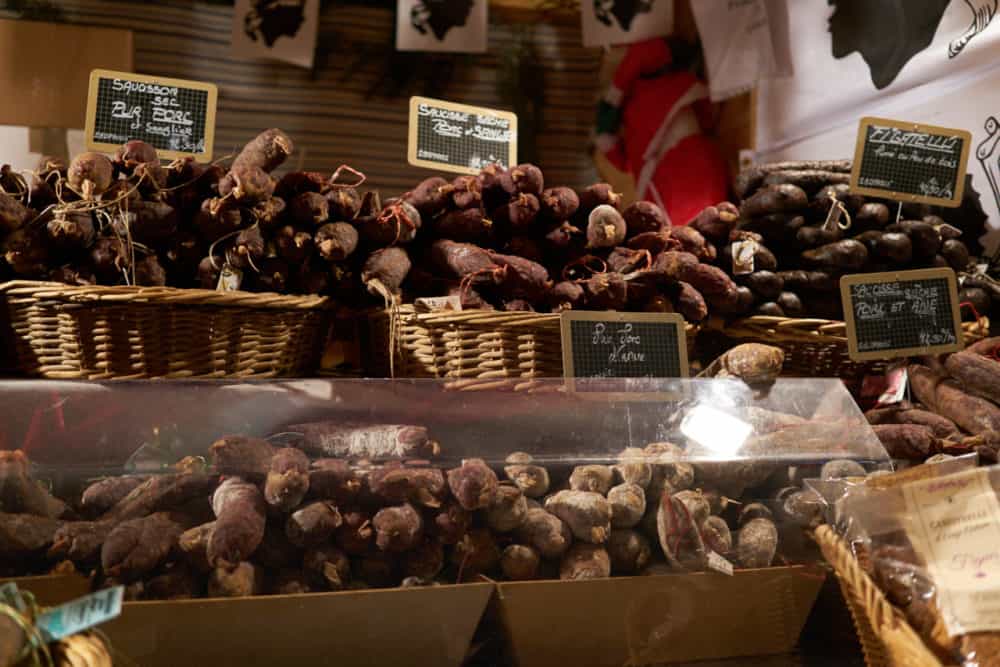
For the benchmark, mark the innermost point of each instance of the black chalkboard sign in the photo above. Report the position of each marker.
(459, 138)
(901, 313)
(610, 345)
(175, 116)
(910, 161)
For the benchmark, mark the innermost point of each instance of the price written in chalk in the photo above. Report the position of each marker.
(900, 313)
(456, 137)
(175, 116)
(606, 345)
(625, 344)
(910, 162)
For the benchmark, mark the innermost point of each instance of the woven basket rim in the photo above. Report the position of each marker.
(810, 330)
(886, 621)
(167, 296)
(483, 317)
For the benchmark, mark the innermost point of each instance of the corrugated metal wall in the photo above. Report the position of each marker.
(330, 117)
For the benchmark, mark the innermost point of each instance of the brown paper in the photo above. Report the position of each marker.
(396, 626)
(657, 619)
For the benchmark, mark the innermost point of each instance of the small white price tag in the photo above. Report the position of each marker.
(433, 304)
(82, 613)
(230, 279)
(743, 253)
(895, 391)
(719, 564)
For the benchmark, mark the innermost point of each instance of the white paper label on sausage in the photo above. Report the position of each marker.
(719, 564)
(743, 254)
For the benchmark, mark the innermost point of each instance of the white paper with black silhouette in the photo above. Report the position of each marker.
(607, 22)
(282, 30)
(853, 58)
(458, 26)
(743, 43)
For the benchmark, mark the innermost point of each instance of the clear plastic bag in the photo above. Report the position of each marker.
(930, 538)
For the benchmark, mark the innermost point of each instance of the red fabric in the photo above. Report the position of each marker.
(692, 175)
(641, 58)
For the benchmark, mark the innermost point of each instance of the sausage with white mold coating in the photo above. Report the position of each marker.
(138, 546)
(585, 561)
(473, 484)
(643, 216)
(287, 479)
(716, 222)
(241, 455)
(365, 441)
(266, 151)
(240, 520)
(386, 269)
(587, 514)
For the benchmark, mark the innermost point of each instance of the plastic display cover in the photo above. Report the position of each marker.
(90, 429)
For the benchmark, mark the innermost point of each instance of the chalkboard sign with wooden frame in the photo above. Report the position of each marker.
(614, 346)
(910, 162)
(460, 138)
(901, 313)
(175, 116)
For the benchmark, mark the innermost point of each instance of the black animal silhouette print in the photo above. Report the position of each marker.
(989, 158)
(270, 19)
(440, 16)
(887, 33)
(623, 11)
(983, 12)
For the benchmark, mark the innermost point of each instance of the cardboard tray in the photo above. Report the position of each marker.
(413, 626)
(51, 590)
(656, 619)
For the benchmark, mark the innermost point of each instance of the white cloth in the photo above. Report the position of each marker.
(744, 42)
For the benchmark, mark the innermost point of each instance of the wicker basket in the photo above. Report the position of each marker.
(478, 349)
(887, 639)
(60, 331)
(815, 347)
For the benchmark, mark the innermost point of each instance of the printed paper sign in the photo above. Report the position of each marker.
(175, 116)
(456, 137)
(442, 25)
(608, 22)
(910, 161)
(282, 30)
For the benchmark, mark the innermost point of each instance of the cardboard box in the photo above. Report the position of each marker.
(398, 626)
(52, 589)
(46, 83)
(648, 620)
